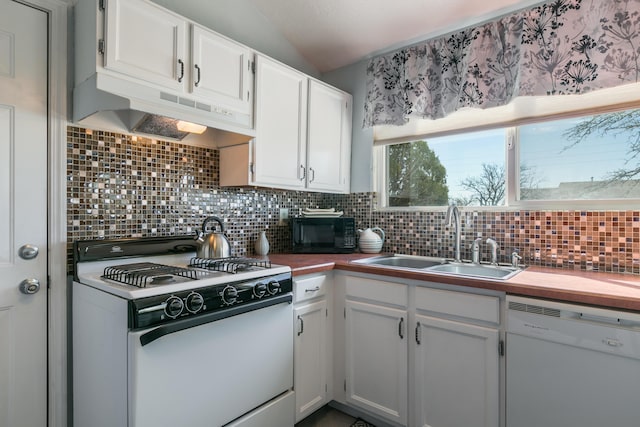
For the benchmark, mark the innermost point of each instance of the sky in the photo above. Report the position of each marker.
(543, 149)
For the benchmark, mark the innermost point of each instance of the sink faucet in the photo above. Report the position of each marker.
(493, 245)
(475, 251)
(453, 219)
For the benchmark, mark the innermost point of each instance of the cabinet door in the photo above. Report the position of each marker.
(221, 70)
(146, 42)
(376, 359)
(329, 137)
(281, 125)
(456, 374)
(310, 357)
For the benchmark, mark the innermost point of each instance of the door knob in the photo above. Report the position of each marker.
(28, 251)
(29, 286)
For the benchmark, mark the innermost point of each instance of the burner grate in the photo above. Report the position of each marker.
(229, 264)
(147, 273)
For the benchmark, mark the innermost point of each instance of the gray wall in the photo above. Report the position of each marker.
(352, 79)
(244, 23)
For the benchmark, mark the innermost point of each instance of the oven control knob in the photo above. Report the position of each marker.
(273, 287)
(173, 307)
(259, 290)
(195, 302)
(229, 295)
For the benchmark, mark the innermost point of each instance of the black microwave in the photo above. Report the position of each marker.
(323, 235)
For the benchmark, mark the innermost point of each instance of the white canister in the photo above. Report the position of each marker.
(369, 241)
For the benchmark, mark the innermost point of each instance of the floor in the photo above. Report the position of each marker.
(327, 417)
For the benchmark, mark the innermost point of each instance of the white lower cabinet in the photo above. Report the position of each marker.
(456, 374)
(376, 359)
(375, 323)
(312, 349)
(310, 359)
(421, 356)
(455, 368)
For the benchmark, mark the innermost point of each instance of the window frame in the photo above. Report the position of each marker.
(512, 176)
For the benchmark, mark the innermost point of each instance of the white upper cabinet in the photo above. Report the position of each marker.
(148, 42)
(329, 137)
(221, 70)
(303, 132)
(281, 125)
(161, 63)
(145, 41)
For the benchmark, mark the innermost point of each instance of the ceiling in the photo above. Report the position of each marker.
(333, 33)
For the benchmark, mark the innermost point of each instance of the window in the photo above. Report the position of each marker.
(584, 158)
(590, 158)
(466, 169)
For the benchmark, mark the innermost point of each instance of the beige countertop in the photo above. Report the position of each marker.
(620, 291)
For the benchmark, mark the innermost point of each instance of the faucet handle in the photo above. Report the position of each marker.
(515, 258)
(475, 250)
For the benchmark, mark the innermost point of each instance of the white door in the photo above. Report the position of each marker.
(281, 125)
(23, 215)
(328, 148)
(147, 42)
(376, 365)
(310, 357)
(455, 374)
(221, 70)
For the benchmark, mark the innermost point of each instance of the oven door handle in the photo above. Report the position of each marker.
(191, 322)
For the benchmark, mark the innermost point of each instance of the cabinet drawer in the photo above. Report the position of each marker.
(459, 304)
(310, 287)
(377, 290)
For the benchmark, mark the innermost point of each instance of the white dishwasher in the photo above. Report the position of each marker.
(571, 365)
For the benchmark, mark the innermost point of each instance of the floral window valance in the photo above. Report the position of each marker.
(560, 47)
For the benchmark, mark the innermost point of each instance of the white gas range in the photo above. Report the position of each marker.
(162, 338)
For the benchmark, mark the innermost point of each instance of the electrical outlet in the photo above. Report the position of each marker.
(284, 216)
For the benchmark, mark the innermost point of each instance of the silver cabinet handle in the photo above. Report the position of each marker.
(313, 174)
(197, 82)
(181, 64)
(316, 289)
(28, 251)
(29, 286)
(301, 326)
(304, 172)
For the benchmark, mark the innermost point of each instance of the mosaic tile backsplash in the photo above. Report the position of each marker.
(126, 186)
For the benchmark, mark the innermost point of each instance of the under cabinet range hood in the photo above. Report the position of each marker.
(106, 102)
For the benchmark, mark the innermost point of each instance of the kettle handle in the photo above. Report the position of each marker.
(212, 218)
(380, 230)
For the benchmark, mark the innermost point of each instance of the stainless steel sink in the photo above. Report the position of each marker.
(402, 261)
(441, 266)
(477, 270)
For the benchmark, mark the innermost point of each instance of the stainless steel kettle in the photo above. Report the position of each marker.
(215, 244)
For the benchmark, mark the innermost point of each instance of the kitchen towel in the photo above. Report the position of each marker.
(321, 213)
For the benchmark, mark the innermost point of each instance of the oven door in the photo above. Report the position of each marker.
(212, 373)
